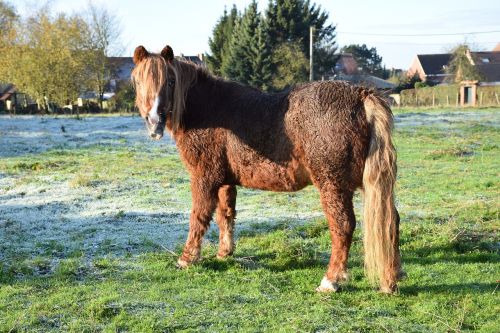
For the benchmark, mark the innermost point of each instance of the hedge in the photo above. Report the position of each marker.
(448, 96)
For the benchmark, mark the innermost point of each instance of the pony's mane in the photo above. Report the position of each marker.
(150, 75)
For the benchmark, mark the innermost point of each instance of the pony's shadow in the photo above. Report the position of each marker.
(261, 261)
(479, 287)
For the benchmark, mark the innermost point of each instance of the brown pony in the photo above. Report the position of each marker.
(330, 134)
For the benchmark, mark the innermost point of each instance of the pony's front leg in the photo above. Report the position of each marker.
(204, 202)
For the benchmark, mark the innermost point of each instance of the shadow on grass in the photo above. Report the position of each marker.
(284, 246)
(448, 288)
(266, 261)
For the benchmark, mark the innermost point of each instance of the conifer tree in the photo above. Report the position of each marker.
(221, 39)
(249, 55)
(262, 60)
(289, 22)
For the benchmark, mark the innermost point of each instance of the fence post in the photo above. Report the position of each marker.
(433, 98)
(496, 96)
(458, 96)
(416, 97)
(447, 100)
(481, 99)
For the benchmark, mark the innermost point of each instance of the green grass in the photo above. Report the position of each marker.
(448, 197)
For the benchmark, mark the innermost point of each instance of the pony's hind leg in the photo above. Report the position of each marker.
(204, 202)
(338, 208)
(225, 215)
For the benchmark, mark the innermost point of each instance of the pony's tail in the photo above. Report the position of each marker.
(381, 219)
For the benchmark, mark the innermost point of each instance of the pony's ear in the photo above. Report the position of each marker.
(140, 53)
(167, 53)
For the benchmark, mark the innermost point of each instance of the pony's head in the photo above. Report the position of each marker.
(160, 89)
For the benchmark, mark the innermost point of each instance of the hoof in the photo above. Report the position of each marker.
(327, 286)
(389, 290)
(402, 275)
(224, 255)
(182, 264)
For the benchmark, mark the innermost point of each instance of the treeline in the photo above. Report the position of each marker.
(53, 58)
(270, 49)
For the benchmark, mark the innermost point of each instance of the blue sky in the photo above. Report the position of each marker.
(186, 25)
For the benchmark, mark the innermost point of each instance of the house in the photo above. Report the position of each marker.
(347, 69)
(12, 99)
(121, 68)
(346, 64)
(366, 80)
(431, 68)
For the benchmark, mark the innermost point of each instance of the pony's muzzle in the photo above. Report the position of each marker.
(156, 136)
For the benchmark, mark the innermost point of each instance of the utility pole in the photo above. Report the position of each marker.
(311, 71)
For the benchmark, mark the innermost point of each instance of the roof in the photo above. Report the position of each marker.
(346, 64)
(6, 91)
(121, 67)
(487, 63)
(120, 61)
(497, 48)
(486, 57)
(434, 64)
(197, 59)
(367, 80)
(489, 72)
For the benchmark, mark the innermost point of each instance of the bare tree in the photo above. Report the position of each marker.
(104, 40)
(7, 16)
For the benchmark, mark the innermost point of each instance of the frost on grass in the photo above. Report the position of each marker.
(61, 214)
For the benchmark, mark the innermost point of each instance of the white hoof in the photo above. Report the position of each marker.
(327, 286)
(182, 264)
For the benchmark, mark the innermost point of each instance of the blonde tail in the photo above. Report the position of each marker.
(381, 219)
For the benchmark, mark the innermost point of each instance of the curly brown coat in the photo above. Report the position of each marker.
(330, 134)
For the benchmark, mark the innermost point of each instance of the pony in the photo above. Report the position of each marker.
(330, 134)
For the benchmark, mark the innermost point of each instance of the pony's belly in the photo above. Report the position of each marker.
(267, 175)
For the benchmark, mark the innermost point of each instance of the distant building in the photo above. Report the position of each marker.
(432, 67)
(346, 64)
(121, 68)
(347, 69)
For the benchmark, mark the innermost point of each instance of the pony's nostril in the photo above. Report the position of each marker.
(153, 135)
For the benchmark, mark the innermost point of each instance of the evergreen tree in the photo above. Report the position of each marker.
(290, 21)
(249, 56)
(292, 66)
(221, 39)
(262, 75)
(241, 46)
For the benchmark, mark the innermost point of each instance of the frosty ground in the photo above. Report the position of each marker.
(78, 196)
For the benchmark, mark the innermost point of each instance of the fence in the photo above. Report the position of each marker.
(449, 95)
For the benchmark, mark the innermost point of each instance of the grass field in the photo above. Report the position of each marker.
(93, 216)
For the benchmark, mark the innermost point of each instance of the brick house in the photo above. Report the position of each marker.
(347, 69)
(432, 67)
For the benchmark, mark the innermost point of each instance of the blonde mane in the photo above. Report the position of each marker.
(149, 77)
